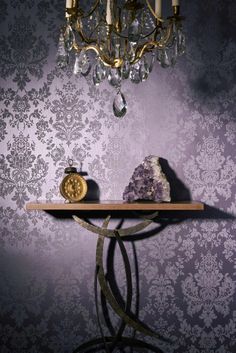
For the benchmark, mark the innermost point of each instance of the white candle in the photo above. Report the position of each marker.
(175, 2)
(158, 8)
(108, 13)
(69, 4)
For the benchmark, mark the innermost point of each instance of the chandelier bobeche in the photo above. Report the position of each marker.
(127, 37)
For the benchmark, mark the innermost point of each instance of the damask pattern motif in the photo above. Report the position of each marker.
(212, 173)
(21, 171)
(186, 114)
(208, 291)
(22, 53)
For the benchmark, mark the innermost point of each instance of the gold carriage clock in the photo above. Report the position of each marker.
(73, 186)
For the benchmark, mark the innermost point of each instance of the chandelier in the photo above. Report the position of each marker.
(125, 37)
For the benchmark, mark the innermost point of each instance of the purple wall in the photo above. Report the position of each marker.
(184, 114)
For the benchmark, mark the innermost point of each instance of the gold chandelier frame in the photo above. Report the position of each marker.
(76, 16)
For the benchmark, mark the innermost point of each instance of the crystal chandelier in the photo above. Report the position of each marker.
(126, 37)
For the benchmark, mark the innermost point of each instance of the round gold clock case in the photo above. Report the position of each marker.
(73, 187)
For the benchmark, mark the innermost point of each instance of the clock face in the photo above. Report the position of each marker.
(73, 187)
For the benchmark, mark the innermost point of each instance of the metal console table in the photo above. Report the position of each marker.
(152, 210)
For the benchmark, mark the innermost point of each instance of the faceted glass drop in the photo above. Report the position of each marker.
(99, 72)
(134, 31)
(134, 73)
(119, 105)
(62, 58)
(143, 69)
(173, 54)
(158, 55)
(84, 63)
(165, 60)
(114, 77)
(96, 78)
(181, 46)
(152, 61)
(125, 69)
(131, 51)
(69, 38)
(77, 64)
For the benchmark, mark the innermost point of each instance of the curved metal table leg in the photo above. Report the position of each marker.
(127, 318)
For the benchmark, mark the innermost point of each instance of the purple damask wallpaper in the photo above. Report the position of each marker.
(186, 115)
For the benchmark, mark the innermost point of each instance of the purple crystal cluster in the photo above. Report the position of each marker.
(148, 182)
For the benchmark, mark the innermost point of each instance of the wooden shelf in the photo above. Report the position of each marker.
(115, 206)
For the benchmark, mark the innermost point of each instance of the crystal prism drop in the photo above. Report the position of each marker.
(77, 64)
(158, 55)
(165, 60)
(125, 69)
(180, 42)
(84, 63)
(69, 38)
(134, 31)
(98, 73)
(134, 73)
(62, 57)
(173, 53)
(101, 70)
(143, 69)
(152, 61)
(114, 77)
(131, 51)
(119, 105)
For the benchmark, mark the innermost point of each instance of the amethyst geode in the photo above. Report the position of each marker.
(148, 182)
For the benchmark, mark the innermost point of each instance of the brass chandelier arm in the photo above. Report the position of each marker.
(141, 50)
(116, 63)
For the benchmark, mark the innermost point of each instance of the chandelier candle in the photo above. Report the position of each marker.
(158, 11)
(108, 13)
(69, 4)
(126, 38)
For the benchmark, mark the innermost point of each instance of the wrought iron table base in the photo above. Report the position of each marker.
(127, 318)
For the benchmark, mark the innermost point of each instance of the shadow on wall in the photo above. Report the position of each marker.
(209, 63)
(93, 193)
(178, 190)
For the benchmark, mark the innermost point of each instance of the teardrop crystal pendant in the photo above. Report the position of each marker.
(69, 37)
(134, 31)
(131, 51)
(125, 69)
(181, 46)
(143, 69)
(134, 73)
(152, 61)
(98, 73)
(119, 105)
(76, 65)
(62, 58)
(101, 70)
(84, 63)
(114, 77)
(158, 55)
(165, 60)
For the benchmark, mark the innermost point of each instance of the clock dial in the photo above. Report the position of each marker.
(73, 187)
